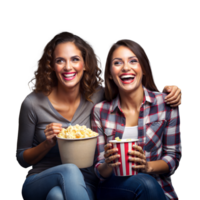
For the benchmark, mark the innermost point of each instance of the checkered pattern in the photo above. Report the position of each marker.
(158, 132)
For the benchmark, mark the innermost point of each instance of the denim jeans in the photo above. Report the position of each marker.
(63, 182)
(140, 187)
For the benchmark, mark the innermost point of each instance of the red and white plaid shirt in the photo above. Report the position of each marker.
(158, 132)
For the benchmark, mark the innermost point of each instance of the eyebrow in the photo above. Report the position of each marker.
(64, 58)
(128, 58)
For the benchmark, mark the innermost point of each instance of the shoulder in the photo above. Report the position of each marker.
(98, 96)
(33, 99)
(160, 106)
(157, 98)
(103, 106)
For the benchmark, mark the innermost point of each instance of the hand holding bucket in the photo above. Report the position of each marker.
(124, 147)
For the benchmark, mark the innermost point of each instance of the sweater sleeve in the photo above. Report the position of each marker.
(27, 123)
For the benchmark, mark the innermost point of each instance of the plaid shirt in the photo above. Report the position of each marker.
(158, 132)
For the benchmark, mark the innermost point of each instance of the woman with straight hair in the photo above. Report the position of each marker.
(134, 108)
(67, 86)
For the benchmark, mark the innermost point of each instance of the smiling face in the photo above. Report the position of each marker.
(125, 70)
(68, 65)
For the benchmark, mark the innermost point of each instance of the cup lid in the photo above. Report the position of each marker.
(124, 140)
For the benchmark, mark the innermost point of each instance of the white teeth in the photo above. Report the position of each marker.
(127, 76)
(69, 75)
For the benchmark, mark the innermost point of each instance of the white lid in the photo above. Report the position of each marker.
(124, 140)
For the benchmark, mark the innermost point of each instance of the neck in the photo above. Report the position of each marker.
(67, 95)
(132, 100)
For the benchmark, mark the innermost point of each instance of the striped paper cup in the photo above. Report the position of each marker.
(125, 169)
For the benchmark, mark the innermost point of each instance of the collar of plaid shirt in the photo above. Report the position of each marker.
(148, 97)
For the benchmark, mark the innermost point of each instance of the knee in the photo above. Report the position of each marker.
(72, 172)
(148, 182)
(55, 193)
(70, 168)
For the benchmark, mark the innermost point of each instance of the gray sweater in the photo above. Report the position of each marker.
(35, 114)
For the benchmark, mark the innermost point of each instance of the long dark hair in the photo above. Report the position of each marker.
(111, 90)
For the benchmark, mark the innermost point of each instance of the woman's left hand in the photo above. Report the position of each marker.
(139, 158)
(174, 96)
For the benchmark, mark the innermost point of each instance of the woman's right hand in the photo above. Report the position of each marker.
(50, 132)
(109, 157)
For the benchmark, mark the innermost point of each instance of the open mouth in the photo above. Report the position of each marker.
(69, 76)
(127, 78)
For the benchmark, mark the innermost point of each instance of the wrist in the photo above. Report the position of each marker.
(149, 168)
(47, 145)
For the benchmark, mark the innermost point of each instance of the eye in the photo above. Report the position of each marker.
(133, 61)
(75, 59)
(117, 63)
(59, 61)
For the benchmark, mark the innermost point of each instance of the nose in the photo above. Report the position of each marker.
(126, 67)
(68, 66)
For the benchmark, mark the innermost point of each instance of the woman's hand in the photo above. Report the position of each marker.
(109, 157)
(174, 96)
(140, 159)
(50, 132)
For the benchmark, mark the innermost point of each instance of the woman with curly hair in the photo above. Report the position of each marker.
(67, 86)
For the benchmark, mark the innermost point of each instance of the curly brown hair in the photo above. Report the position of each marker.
(111, 89)
(45, 75)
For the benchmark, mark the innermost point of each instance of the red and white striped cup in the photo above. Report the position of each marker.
(123, 146)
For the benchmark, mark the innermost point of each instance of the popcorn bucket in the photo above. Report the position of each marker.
(123, 146)
(77, 151)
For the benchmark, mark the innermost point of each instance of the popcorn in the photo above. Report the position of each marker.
(75, 132)
(118, 139)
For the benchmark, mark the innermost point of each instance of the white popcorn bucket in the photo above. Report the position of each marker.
(123, 146)
(78, 151)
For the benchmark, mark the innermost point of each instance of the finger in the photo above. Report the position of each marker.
(137, 160)
(114, 164)
(174, 92)
(56, 124)
(107, 146)
(174, 100)
(167, 89)
(137, 154)
(51, 128)
(173, 95)
(54, 127)
(111, 158)
(53, 124)
(52, 132)
(110, 152)
(138, 148)
(139, 166)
